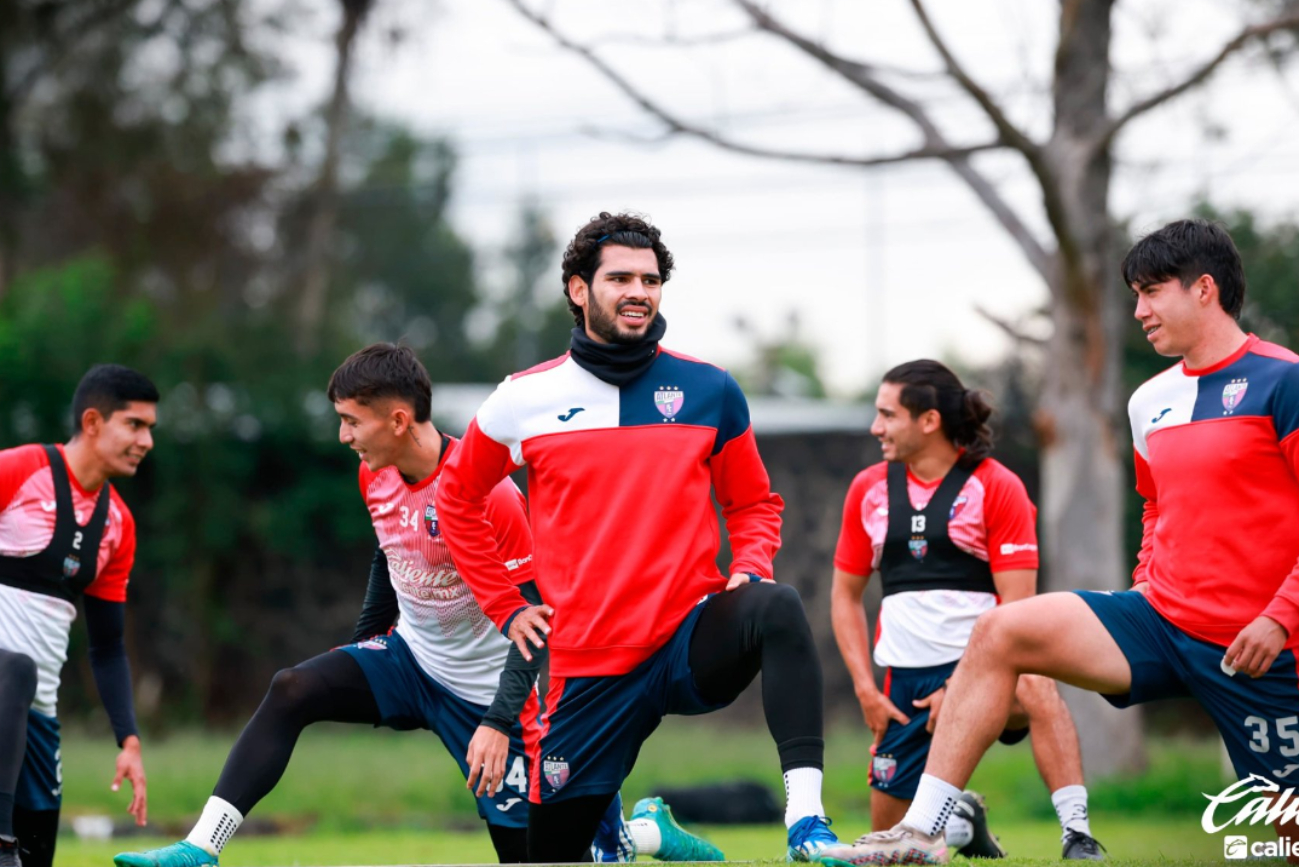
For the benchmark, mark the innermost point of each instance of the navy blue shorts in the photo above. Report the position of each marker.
(593, 727)
(898, 760)
(410, 699)
(1258, 718)
(40, 782)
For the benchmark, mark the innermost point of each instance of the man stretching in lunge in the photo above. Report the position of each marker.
(439, 669)
(624, 443)
(951, 531)
(1214, 610)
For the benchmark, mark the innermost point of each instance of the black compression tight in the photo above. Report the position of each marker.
(511, 844)
(326, 688)
(762, 627)
(561, 832)
(38, 831)
(17, 690)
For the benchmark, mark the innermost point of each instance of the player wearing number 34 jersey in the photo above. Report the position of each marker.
(441, 665)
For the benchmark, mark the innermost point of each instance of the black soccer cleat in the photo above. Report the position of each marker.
(971, 807)
(1082, 847)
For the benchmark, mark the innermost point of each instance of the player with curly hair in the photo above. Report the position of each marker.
(625, 442)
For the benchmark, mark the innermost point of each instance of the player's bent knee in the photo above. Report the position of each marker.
(289, 687)
(18, 677)
(991, 638)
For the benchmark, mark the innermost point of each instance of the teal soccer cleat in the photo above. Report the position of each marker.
(678, 844)
(809, 837)
(182, 854)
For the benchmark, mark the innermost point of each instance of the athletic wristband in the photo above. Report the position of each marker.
(754, 578)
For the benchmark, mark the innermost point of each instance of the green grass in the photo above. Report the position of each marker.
(1130, 843)
(354, 795)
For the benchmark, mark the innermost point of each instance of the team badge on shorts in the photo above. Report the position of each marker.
(883, 768)
(1233, 393)
(669, 400)
(555, 771)
(431, 521)
(71, 565)
(919, 548)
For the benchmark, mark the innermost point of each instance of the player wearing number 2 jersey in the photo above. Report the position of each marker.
(65, 535)
(1214, 610)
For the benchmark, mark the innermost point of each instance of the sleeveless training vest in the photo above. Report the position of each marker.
(68, 564)
(918, 552)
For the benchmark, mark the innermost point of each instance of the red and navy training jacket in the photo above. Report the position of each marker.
(1217, 460)
(619, 479)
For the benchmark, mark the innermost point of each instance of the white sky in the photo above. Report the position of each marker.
(880, 266)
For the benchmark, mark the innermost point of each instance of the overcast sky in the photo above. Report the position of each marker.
(880, 266)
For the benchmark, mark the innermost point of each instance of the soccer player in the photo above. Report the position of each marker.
(623, 442)
(951, 531)
(65, 533)
(1214, 608)
(438, 669)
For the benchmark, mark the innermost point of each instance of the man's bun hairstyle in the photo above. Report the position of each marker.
(928, 384)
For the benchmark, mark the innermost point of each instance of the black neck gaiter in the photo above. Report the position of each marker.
(618, 363)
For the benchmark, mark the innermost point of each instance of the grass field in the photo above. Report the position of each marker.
(357, 796)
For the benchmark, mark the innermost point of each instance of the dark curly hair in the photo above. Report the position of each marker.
(928, 384)
(582, 258)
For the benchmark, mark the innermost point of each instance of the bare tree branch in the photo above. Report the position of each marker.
(1289, 21)
(1010, 133)
(934, 144)
(865, 77)
(677, 126)
(719, 38)
(1010, 329)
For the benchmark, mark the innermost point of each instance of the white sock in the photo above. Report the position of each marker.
(802, 794)
(216, 826)
(932, 806)
(645, 834)
(1071, 806)
(960, 831)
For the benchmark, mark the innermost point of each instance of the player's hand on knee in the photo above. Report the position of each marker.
(531, 625)
(130, 767)
(1256, 647)
(933, 701)
(739, 579)
(489, 750)
(878, 711)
